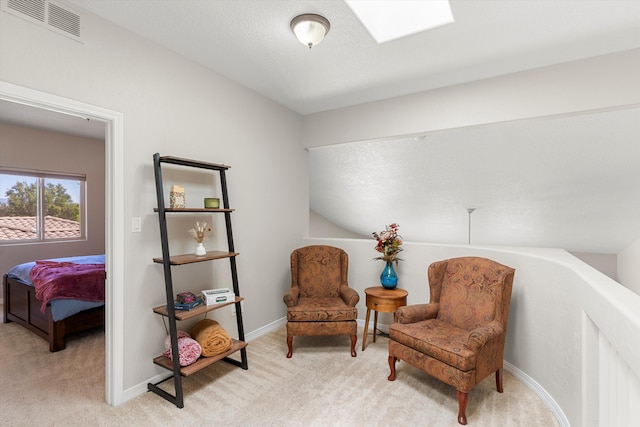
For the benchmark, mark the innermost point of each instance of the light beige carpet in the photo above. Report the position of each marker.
(321, 385)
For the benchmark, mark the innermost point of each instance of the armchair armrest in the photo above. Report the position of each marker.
(349, 296)
(291, 297)
(417, 312)
(484, 334)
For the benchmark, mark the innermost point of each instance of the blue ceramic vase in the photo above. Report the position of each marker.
(389, 277)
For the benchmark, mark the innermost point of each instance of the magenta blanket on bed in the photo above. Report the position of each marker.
(56, 280)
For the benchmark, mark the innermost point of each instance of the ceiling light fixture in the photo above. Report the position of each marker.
(310, 28)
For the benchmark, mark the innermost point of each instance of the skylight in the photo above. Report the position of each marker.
(388, 20)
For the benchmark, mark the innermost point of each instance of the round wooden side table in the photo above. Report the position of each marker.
(385, 300)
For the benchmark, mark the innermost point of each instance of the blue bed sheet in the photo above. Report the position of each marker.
(60, 308)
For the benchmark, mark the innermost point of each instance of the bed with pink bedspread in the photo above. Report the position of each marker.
(57, 297)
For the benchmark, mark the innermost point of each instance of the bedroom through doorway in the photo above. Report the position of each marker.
(45, 111)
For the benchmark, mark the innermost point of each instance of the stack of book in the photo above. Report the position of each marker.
(185, 306)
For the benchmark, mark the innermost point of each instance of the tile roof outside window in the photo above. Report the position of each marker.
(24, 227)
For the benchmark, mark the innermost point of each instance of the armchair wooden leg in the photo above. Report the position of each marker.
(354, 339)
(462, 407)
(290, 346)
(499, 380)
(392, 367)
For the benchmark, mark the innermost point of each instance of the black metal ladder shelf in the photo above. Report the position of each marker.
(168, 261)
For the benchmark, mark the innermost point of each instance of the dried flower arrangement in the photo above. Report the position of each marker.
(200, 231)
(389, 243)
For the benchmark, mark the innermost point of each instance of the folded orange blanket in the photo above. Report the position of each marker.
(212, 337)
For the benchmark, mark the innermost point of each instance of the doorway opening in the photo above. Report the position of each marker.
(114, 219)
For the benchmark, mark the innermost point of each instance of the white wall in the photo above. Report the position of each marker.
(597, 83)
(605, 263)
(319, 226)
(629, 266)
(554, 291)
(175, 107)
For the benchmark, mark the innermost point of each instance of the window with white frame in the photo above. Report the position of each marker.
(37, 206)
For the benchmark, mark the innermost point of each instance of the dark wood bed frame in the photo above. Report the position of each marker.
(22, 306)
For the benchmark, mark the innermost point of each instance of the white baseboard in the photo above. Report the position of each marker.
(520, 375)
(381, 326)
(141, 388)
(540, 391)
(265, 329)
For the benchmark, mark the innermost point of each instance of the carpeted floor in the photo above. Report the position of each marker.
(321, 385)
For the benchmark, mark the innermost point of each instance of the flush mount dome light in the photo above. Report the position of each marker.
(310, 28)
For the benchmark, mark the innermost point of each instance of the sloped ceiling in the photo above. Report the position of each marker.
(249, 41)
(568, 182)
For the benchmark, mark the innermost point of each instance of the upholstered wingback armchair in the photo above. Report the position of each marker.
(459, 336)
(320, 301)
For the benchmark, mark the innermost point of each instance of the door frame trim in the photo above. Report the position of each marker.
(114, 220)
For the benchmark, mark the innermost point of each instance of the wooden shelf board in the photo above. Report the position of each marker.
(191, 258)
(199, 310)
(202, 362)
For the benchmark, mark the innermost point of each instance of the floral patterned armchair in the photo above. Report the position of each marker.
(459, 336)
(320, 301)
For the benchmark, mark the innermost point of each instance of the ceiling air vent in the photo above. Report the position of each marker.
(64, 20)
(54, 16)
(32, 8)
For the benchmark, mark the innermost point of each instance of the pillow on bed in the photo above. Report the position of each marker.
(21, 272)
(188, 349)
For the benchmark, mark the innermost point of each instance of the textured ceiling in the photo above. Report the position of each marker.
(249, 41)
(569, 182)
